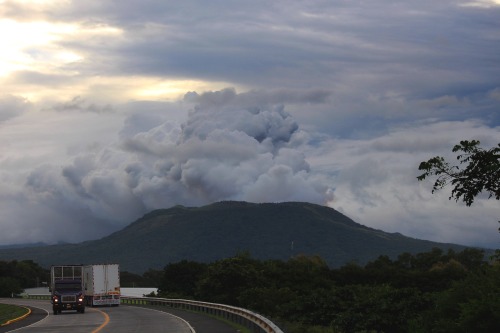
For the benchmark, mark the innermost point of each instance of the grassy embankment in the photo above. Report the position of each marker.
(9, 312)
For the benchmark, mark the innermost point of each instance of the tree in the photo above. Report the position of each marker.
(226, 279)
(9, 286)
(471, 304)
(481, 172)
(478, 171)
(180, 279)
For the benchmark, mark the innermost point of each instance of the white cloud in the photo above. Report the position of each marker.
(376, 185)
(482, 3)
(225, 150)
(13, 106)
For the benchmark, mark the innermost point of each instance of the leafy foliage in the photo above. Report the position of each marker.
(9, 286)
(17, 275)
(179, 279)
(478, 171)
(471, 304)
(481, 173)
(227, 279)
(304, 295)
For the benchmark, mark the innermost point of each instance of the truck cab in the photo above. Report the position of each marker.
(67, 289)
(68, 295)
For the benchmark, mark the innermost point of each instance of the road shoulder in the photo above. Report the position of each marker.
(202, 323)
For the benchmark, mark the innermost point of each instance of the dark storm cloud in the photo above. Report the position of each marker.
(378, 60)
(273, 96)
(230, 42)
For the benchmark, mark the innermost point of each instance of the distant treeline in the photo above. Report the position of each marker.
(15, 276)
(428, 292)
(434, 291)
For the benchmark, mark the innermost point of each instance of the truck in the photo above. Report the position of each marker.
(101, 284)
(66, 287)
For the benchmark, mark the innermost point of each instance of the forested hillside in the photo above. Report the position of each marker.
(220, 230)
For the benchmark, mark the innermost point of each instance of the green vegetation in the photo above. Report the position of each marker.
(10, 312)
(150, 278)
(17, 275)
(478, 171)
(434, 291)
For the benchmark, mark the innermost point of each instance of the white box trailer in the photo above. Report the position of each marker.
(101, 284)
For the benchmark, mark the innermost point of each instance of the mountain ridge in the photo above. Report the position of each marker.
(222, 229)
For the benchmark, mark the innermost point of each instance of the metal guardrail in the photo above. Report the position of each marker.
(253, 321)
(35, 296)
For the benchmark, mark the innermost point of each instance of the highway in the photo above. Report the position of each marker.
(123, 319)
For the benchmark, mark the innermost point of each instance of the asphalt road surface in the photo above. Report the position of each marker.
(123, 319)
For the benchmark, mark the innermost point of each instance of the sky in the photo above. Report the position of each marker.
(111, 109)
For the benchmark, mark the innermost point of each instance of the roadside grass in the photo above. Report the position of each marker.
(9, 312)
